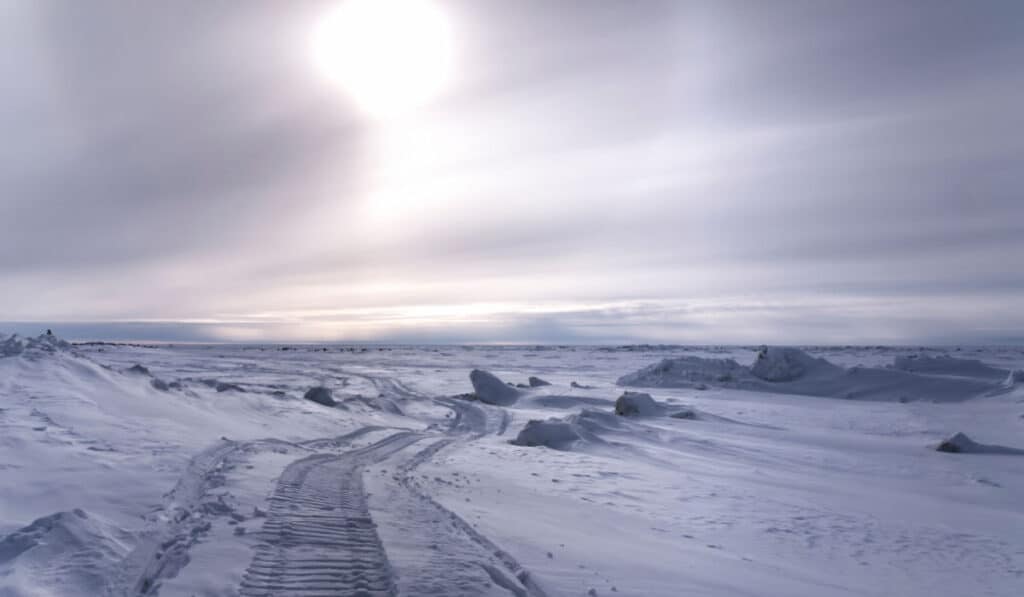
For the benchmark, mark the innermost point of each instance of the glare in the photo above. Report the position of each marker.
(389, 56)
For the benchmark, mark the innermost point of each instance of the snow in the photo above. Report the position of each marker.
(960, 443)
(632, 404)
(787, 370)
(762, 483)
(775, 363)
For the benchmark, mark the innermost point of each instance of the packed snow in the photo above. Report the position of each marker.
(231, 470)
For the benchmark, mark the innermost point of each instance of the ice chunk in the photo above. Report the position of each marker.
(552, 433)
(491, 390)
(320, 395)
(632, 404)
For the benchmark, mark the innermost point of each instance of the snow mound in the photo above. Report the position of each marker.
(15, 345)
(961, 444)
(781, 363)
(947, 365)
(557, 434)
(786, 370)
(536, 382)
(138, 370)
(320, 395)
(633, 404)
(592, 421)
(62, 550)
(491, 390)
(685, 372)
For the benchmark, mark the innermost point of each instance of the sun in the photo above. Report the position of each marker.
(389, 56)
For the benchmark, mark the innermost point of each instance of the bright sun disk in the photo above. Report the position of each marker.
(390, 56)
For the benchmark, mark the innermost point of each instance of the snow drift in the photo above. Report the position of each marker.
(960, 443)
(947, 365)
(685, 372)
(67, 549)
(774, 363)
(793, 371)
(15, 345)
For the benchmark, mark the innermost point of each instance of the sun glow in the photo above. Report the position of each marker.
(390, 56)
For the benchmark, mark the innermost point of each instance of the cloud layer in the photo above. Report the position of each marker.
(674, 171)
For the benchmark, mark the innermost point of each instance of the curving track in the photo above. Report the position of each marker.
(319, 539)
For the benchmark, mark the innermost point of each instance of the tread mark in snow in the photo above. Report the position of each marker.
(319, 538)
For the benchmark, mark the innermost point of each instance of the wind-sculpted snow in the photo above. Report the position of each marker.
(793, 371)
(687, 372)
(410, 485)
(15, 345)
(960, 443)
(67, 549)
(782, 363)
(947, 365)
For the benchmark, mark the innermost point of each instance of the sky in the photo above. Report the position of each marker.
(590, 172)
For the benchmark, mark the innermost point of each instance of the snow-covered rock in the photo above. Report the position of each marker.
(320, 395)
(491, 390)
(633, 404)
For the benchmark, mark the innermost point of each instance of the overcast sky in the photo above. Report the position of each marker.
(595, 171)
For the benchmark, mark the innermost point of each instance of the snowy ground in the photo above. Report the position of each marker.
(205, 472)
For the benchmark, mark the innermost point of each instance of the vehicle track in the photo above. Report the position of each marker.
(319, 538)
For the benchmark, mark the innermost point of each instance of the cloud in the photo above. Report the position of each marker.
(184, 164)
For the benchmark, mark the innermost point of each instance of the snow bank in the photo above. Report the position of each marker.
(961, 444)
(320, 395)
(15, 345)
(781, 363)
(947, 365)
(491, 390)
(785, 370)
(686, 372)
(61, 551)
(633, 404)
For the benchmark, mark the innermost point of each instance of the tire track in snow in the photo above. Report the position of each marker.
(432, 513)
(319, 538)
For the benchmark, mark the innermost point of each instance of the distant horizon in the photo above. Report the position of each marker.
(191, 334)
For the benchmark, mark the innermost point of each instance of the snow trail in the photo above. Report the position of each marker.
(319, 538)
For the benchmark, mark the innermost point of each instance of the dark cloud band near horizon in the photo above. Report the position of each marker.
(594, 172)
